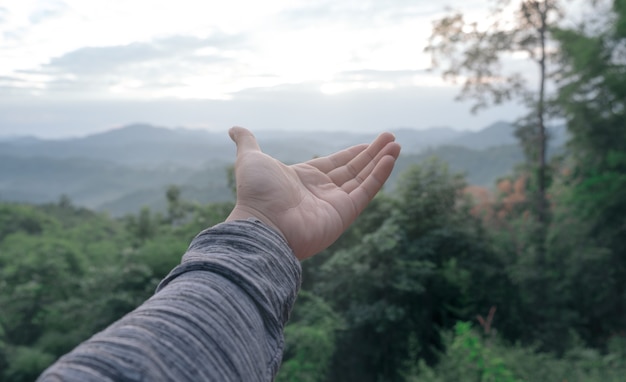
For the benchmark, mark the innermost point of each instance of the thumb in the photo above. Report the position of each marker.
(244, 140)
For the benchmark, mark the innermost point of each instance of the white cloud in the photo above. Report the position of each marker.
(120, 52)
(47, 10)
(90, 43)
(357, 80)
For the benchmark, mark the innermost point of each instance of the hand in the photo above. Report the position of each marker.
(312, 203)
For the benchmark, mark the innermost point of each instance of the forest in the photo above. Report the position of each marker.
(434, 281)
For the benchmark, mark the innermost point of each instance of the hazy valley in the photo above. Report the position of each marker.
(121, 170)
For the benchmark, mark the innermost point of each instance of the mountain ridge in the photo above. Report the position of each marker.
(149, 145)
(113, 170)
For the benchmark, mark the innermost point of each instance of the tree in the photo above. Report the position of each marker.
(38, 276)
(27, 219)
(230, 180)
(592, 98)
(476, 51)
(309, 340)
(176, 206)
(425, 265)
(474, 356)
(144, 226)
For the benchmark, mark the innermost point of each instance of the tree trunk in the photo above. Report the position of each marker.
(542, 207)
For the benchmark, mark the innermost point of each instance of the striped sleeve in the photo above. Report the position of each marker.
(218, 316)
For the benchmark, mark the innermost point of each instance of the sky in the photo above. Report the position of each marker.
(75, 67)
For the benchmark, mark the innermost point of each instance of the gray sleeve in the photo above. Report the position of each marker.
(218, 316)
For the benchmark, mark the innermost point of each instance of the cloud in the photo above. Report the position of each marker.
(103, 59)
(362, 13)
(4, 13)
(10, 80)
(369, 79)
(50, 9)
(18, 86)
(100, 60)
(365, 75)
(158, 64)
(374, 14)
(338, 45)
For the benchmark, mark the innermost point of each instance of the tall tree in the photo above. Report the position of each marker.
(475, 52)
(425, 265)
(592, 97)
(481, 55)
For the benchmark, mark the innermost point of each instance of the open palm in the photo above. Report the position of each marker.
(309, 203)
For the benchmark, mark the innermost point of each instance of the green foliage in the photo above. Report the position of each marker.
(310, 340)
(378, 305)
(468, 358)
(471, 356)
(419, 268)
(160, 254)
(67, 272)
(592, 96)
(25, 364)
(230, 180)
(20, 218)
(51, 259)
(598, 193)
(36, 275)
(143, 226)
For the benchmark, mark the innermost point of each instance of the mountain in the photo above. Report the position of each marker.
(414, 141)
(20, 140)
(480, 167)
(496, 134)
(88, 182)
(150, 146)
(136, 145)
(502, 133)
(123, 169)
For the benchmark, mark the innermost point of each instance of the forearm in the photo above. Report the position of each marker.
(217, 316)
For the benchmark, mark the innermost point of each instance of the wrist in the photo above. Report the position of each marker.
(246, 213)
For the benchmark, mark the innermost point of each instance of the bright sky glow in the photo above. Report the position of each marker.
(62, 52)
(257, 44)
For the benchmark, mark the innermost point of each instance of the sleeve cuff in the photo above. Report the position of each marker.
(252, 255)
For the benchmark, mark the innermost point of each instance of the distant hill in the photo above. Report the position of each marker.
(480, 167)
(136, 145)
(497, 134)
(122, 169)
(102, 185)
(20, 140)
(414, 141)
(501, 133)
(151, 146)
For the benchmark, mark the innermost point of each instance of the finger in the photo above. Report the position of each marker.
(362, 195)
(351, 170)
(330, 162)
(244, 140)
(392, 149)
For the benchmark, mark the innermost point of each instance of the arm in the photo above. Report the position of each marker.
(219, 315)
